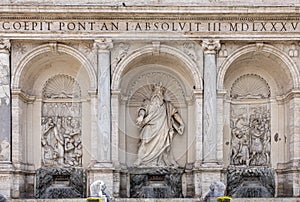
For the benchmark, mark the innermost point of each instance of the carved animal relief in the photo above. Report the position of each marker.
(61, 123)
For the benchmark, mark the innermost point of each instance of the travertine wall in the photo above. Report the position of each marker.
(215, 63)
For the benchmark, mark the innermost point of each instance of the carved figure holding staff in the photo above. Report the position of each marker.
(159, 121)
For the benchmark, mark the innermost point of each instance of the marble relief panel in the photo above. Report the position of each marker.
(250, 122)
(61, 123)
(250, 135)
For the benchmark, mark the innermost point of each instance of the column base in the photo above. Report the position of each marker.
(212, 164)
(6, 178)
(205, 176)
(106, 173)
(103, 165)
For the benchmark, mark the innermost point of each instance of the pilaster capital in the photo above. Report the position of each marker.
(211, 46)
(103, 44)
(4, 45)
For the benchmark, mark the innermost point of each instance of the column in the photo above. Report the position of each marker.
(210, 48)
(115, 127)
(5, 120)
(5, 102)
(198, 127)
(104, 97)
(294, 144)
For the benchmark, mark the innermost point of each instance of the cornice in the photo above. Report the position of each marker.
(150, 17)
(176, 10)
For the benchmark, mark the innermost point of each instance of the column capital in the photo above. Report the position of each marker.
(103, 44)
(211, 46)
(4, 45)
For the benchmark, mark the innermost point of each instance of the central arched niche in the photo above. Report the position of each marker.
(136, 82)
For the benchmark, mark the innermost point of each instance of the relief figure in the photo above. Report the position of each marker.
(251, 138)
(61, 141)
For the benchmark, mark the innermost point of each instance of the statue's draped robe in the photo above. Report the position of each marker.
(156, 135)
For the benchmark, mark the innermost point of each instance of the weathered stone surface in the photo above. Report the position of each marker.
(60, 183)
(155, 183)
(250, 182)
(248, 68)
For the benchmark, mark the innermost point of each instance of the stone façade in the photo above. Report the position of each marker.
(207, 57)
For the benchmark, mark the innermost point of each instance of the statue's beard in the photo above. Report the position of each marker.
(156, 102)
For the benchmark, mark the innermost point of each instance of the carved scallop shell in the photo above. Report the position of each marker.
(61, 86)
(142, 87)
(250, 86)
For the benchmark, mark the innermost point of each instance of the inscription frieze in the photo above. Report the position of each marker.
(163, 25)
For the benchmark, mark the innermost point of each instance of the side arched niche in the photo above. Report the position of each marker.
(51, 88)
(258, 80)
(135, 86)
(260, 108)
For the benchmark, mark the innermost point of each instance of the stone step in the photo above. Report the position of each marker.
(164, 200)
(114, 200)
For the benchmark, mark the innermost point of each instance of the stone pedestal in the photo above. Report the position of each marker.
(204, 177)
(107, 176)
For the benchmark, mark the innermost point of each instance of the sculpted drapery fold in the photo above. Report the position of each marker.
(159, 121)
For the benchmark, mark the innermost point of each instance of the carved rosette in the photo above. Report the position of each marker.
(61, 122)
(211, 46)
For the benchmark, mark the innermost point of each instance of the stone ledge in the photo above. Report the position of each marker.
(164, 200)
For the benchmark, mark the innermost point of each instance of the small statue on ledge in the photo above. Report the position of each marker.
(97, 189)
(217, 188)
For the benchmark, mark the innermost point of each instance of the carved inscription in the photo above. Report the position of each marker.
(199, 25)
